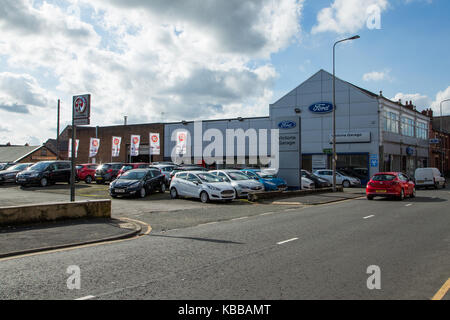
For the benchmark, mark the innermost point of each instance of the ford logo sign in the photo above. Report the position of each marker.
(287, 124)
(322, 107)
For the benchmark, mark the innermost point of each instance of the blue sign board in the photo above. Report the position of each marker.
(321, 107)
(373, 160)
(409, 151)
(287, 124)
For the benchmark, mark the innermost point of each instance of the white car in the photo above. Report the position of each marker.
(239, 180)
(345, 181)
(429, 177)
(307, 183)
(202, 185)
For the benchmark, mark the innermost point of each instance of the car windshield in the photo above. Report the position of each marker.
(125, 168)
(207, 177)
(236, 176)
(133, 175)
(21, 166)
(40, 166)
(103, 166)
(266, 175)
(383, 177)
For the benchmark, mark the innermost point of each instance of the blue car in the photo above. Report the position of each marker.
(270, 181)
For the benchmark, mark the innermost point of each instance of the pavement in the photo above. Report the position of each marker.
(296, 252)
(19, 240)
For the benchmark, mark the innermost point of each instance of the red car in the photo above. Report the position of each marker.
(390, 184)
(86, 172)
(129, 166)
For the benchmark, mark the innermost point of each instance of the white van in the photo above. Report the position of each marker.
(429, 177)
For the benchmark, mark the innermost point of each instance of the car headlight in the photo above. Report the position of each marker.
(242, 186)
(135, 185)
(270, 183)
(33, 175)
(213, 188)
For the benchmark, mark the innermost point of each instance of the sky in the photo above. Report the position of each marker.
(160, 61)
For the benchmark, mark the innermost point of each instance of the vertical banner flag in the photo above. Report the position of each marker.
(135, 141)
(154, 143)
(76, 148)
(93, 149)
(181, 142)
(116, 146)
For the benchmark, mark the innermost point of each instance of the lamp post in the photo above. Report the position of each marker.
(442, 141)
(334, 108)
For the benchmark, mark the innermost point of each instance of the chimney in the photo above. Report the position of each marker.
(381, 93)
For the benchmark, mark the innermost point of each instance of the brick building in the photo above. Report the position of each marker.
(105, 134)
(439, 152)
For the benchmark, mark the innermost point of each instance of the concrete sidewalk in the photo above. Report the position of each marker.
(20, 240)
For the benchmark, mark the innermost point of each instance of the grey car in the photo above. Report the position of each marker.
(9, 175)
(241, 183)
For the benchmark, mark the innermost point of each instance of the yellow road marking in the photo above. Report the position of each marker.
(149, 229)
(442, 291)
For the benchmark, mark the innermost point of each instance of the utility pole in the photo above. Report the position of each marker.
(57, 129)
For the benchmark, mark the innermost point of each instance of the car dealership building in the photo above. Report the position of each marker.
(373, 133)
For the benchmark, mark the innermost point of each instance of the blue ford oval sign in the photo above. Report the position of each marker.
(287, 124)
(322, 107)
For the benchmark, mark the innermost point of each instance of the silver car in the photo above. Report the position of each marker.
(202, 185)
(240, 181)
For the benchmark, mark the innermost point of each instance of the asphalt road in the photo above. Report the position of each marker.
(307, 252)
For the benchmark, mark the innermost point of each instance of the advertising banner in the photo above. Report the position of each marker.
(155, 147)
(94, 145)
(181, 142)
(135, 141)
(76, 148)
(116, 146)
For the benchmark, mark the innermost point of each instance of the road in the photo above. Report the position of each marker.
(307, 252)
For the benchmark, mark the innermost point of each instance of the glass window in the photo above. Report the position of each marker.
(133, 175)
(207, 177)
(182, 175)
(237, 176)
(391, 121)
(421, 130)
(407, 127)
(383, 177)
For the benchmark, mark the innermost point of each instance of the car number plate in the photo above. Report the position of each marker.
(119, 190)
(420, 181)
(21, 179)
(381, 191)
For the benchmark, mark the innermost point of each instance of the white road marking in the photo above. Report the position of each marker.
(372, 215)
(239, 218)
(266, 213)
(85, 298)
(282, 242)
(409, 204)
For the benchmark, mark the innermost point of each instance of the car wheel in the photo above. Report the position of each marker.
(413, 193)
(163, 188)
(44, 182)
(115, 197)
(173, 193)
(142, 193)
(369, 197)
(88, 179)
(346, 184)
(204, 197)
(402, 195)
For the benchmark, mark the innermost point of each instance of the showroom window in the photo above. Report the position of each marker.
(391, 121)
(421, 130)
(407, 127)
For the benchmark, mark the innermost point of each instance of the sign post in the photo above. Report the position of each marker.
(81, 112)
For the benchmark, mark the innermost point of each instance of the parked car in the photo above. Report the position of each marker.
(269, 180)
(361, 173)
(130, 166)
(307, 183)
(137, 182)
(429, 177)
(166, 169)
(86, 172)
(342, 179)
(44, 173)
(318, 181)
(202, 185)
(9, 175)
(107, 172)
(6, 165)
(241, 183)
(191, 167)
(390, 184)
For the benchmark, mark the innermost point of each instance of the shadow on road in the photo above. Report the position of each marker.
(416, 199)
(197, 239)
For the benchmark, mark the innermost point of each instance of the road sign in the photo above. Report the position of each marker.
(435, 141)
(373, 159)
(82, 109)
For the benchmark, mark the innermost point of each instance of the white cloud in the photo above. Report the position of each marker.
(423, 101)
(377, 76)
(186, 59)
(419, 100)
(346, 16)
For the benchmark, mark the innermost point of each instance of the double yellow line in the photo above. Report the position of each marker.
(442, 291)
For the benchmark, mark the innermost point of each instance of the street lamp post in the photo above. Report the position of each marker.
(442, 141)
(334, 108)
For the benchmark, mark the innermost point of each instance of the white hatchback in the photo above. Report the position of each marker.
(202, 185)
(240, 181)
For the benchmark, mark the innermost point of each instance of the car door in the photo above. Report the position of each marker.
(405, 184)
(148, 181)
(53, 173)
(156, 179)
(180, 183)
(192, 185)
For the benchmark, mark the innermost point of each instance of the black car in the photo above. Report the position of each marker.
(9, 175)
(44, 173)
(6, 165)
(138, 182)
(318, 181)
(186, 168)
(107, 172)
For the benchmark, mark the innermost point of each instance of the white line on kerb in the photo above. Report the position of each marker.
(282, 242)
(369, 216)
(85, 298)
